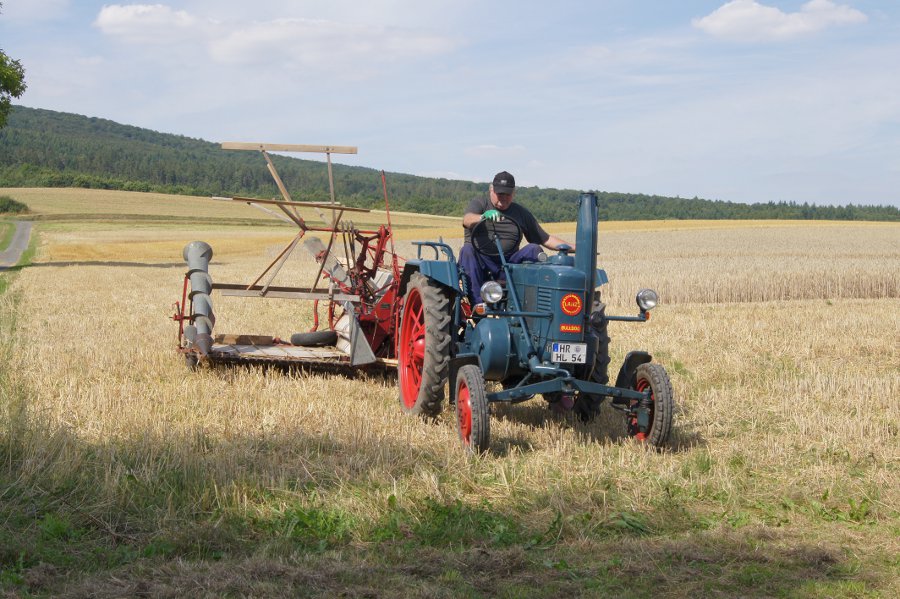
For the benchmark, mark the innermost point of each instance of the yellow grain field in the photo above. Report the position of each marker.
(784, 473)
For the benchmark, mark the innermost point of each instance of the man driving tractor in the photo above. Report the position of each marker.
(509, 221)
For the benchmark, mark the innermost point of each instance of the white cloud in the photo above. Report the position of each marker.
(146, 23)
(344, 49)
(34, 10)
(321, 43)
(748, 20)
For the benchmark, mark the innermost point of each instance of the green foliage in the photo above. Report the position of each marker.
(43, 148)
(56, 527)
(10, 206)
(312, 527)
(457, 524)
(630, 523)
(12, 83)
(452, 524)
(6, 233)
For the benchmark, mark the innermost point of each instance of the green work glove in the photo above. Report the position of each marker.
(493, 215)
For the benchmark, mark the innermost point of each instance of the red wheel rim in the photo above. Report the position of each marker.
(411, 352)
(464, 412)
(643, 385)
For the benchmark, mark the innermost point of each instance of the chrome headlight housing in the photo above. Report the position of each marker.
(491, 292)
(647, 299)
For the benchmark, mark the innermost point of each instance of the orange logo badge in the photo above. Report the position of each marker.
(570, 328)
(571, 304)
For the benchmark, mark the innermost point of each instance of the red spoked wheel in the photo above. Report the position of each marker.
(472, 411)
(423, 347)
(653, 377)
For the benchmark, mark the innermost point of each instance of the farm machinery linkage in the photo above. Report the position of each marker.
(541, 329)
(358, 290)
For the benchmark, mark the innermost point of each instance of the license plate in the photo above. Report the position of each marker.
(569, 353)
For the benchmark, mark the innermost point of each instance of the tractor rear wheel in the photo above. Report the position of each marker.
(588, 406)
(654, 377)
(423, 347)
(473, 416)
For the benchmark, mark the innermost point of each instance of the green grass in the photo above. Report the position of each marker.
(61, 528)
(63, 531)
(450, 548)
(6, 233)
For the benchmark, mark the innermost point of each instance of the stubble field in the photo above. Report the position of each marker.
(123, 473)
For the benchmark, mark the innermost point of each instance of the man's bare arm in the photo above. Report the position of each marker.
(553, 242)
(470, 219)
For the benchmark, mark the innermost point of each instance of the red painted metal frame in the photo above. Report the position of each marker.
(179, 316)
(377, 312)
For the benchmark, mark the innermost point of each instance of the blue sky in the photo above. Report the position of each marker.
(741, 100)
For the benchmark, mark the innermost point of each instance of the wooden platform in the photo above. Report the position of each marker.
(264, 349)
(277, 353)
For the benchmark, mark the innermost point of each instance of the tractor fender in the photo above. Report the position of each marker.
(442, 272)
(492, 340)
(409, 268)
(629, 367)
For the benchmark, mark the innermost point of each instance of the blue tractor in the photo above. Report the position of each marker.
(541, 329)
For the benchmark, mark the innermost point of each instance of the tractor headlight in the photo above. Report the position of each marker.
(492, 292)
(647, 299)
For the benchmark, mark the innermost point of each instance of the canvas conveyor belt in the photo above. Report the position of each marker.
(264, 349)
(276, 353)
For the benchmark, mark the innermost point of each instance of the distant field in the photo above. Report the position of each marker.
(123, 474)
(98, 206)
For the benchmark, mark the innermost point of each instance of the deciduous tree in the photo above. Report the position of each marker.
(12, 82)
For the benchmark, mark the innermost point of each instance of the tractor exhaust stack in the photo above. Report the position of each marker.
(586, 240)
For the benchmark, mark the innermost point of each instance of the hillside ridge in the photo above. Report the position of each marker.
(45, 148)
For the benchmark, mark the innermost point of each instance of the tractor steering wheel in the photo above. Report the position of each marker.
(484, 234)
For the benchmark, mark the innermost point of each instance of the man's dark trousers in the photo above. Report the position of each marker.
(481, 268)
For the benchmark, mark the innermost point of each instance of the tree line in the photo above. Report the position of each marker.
(43, 148)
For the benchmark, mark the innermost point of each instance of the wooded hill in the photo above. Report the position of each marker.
(44, 148)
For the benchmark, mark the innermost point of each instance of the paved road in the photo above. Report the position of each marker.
(10, 256)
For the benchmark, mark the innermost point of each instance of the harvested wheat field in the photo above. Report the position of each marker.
(125, 474)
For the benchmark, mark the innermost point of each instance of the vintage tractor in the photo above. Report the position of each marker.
(541, 329)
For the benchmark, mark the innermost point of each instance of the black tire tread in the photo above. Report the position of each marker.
(481, 413)
(436, 367)
(663, 401)
(314, 338)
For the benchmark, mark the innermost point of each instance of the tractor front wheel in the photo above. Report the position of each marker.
(654, 377)
(423, 347)
(473, 414)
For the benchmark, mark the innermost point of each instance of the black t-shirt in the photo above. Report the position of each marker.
(506, 232)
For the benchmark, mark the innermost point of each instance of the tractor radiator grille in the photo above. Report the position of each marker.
(544, 300)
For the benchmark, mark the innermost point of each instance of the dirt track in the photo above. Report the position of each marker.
(10, 256)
